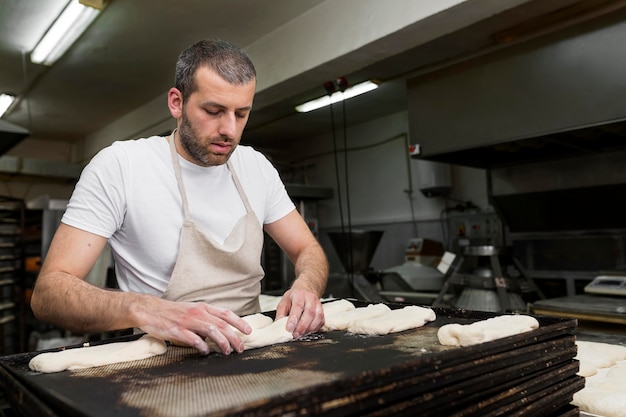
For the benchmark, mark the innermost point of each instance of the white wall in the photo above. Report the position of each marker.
(379, 176)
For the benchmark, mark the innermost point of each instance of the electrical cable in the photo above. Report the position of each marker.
(330, 88)
(342, 83)
(410, 190)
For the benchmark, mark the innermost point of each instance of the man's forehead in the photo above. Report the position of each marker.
(205, 72)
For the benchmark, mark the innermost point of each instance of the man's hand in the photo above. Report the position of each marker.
(304, 309)
(190, 324)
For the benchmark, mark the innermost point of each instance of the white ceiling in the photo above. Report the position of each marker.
(126, 58)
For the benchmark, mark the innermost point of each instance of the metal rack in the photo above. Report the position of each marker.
(11, 265)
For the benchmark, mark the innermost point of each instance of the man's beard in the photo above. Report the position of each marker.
(198, 149)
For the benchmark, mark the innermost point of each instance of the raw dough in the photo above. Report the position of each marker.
(256, 321)
(617, 372)
(605, 392)
(268, 335)
(341, 320)
(485, 330)
(604, 367)
(595, 355)
(338, 306)
(87, 357)
(409, 317)
(601, 402)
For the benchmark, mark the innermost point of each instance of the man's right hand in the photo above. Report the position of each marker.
(189, 324)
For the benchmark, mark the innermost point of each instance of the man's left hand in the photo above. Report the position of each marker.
(304, 309)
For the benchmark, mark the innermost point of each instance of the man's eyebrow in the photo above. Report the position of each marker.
(221, 106)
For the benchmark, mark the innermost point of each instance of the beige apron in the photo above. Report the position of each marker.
(227, 275)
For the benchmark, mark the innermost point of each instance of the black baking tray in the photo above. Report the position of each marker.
(323, 373)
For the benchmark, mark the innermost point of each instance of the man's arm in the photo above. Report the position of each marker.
(302, 301)
(62, 297)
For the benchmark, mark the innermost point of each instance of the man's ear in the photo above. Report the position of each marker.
(175, 102)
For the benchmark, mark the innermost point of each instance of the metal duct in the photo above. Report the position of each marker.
(10, 135)
(37, 168)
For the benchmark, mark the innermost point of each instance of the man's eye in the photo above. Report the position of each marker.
(241, 115)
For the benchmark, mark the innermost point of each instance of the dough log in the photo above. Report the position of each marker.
(398, 320)
(604, 367)
(485, 330)
(269, 335)
(337, 306)
(341, 320)
(88, 357)
(256, 322)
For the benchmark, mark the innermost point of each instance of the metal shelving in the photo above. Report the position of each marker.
(11, 266)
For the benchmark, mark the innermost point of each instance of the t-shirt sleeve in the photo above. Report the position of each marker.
(278, 202)
(98, 203)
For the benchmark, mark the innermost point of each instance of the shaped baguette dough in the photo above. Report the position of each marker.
(604, 367)
(595, 355)
(485, 330)
(338, 306)
(256, 321)
(91, 356)
(341, 320)
(268, 335)
(601, 402)
(605, 392)
(409, 317)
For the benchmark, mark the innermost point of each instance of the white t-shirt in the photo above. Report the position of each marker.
(128, 193)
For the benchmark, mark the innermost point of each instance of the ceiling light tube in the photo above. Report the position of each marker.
(70, 24)
(337, 96)
(5, 102)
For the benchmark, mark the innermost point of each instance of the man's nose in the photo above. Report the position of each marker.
(228, 125)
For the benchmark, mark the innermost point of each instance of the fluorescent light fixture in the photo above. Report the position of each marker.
(70, 24)
(5, 102)
(337, 96)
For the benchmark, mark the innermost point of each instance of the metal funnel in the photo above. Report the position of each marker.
(363, 244)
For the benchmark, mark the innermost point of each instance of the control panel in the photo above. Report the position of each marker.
(607, 285)
(473, 229)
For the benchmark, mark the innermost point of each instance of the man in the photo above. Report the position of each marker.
(184, 216)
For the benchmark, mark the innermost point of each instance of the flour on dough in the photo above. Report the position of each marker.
(341, 320)
(269, 335)
(398, 320)
(91, 356)
(485, 330)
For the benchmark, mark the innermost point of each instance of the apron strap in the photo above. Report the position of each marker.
(179, 176)
(242, 194)
(181, 185)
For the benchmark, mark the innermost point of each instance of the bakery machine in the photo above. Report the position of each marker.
(355, 250)
(417, 280)
(603, 301)
(487, 278)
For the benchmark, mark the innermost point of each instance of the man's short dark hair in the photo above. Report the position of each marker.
(227, 60)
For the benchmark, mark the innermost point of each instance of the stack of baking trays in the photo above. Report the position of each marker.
(334, 373)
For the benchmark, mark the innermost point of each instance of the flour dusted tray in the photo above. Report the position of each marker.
(331, 373)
